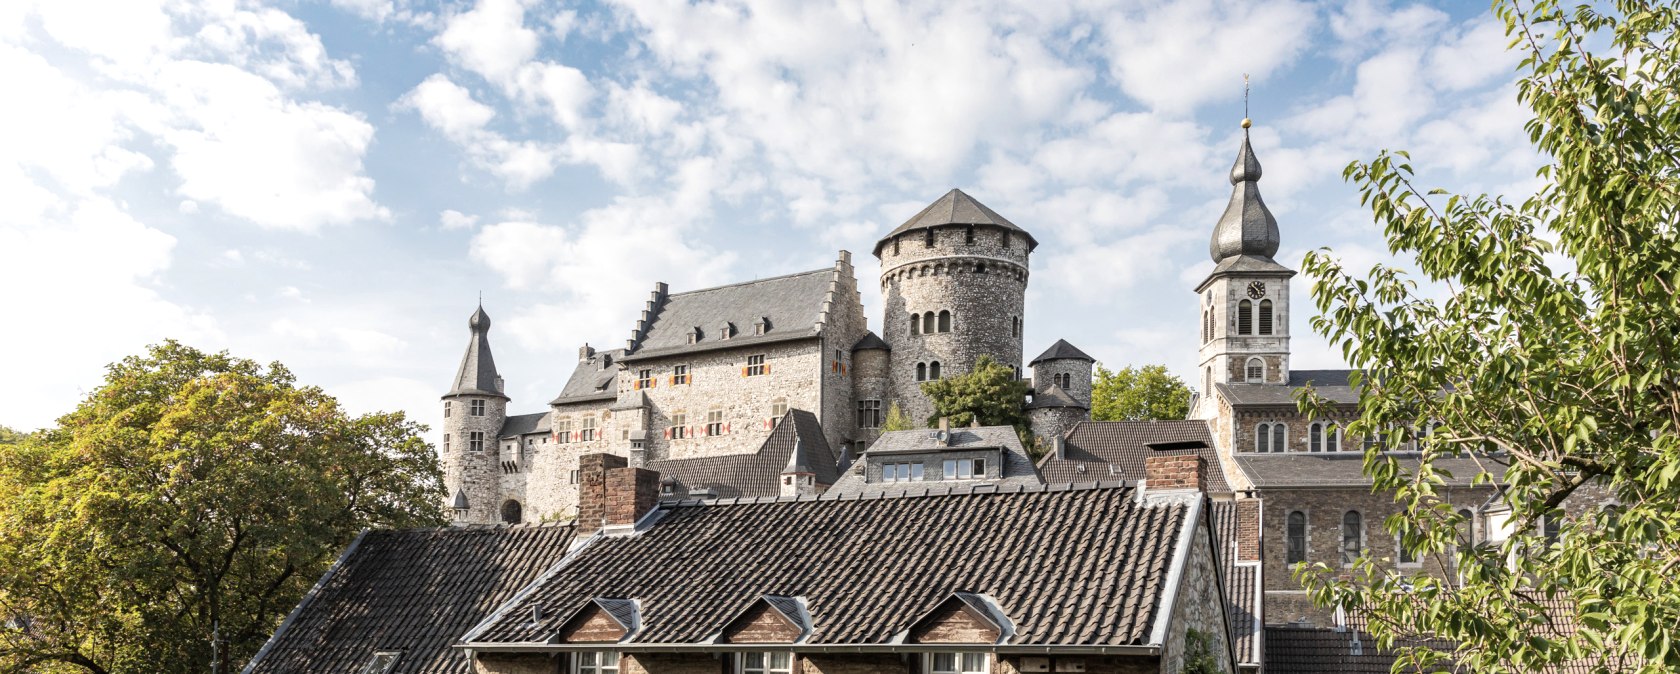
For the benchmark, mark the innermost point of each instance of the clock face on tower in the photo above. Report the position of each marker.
(1257, 289)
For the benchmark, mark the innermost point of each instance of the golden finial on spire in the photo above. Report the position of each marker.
(1245, 122)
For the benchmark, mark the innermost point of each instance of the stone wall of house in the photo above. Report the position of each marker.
(551, 487)
(1243, 423)
(717, 380)
(1199, 606)
(1049, 423)
(513, 462)
(871, 380)
(843, 324)
(1079, 376)
(983, 284)
(478, 473)
(521, 663)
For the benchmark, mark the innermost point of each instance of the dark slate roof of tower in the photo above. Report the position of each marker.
(594, 379)
(415, 591)
(871, 341)
(1332, 385)
(477, 374)
(885, 563)
(956, 208)
(1117, 450)
(1062, 350)
(793, 303)
(1247, 226)
(1055, 396)
(757, 474)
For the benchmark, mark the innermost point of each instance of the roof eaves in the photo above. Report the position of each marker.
(1175, 575)
(308, 598)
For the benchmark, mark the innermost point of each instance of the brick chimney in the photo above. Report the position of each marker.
(1248, 530)
(1175, 472)
(613, 493)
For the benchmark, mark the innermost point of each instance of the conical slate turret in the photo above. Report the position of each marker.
(477, 374)
(1247, 228)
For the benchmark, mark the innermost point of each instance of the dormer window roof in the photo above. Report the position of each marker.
(602, 620)
(726, 330)
(694, 335)
(770, 619)
(762, 325)
(964, 613)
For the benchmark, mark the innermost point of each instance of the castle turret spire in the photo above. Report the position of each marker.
(1247, 228)
(477, 374)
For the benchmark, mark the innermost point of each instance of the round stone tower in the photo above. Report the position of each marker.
(954, 285)
(474, 410)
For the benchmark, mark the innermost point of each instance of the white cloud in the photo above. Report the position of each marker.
(491, 39)
(1175, 56)
(452, 219)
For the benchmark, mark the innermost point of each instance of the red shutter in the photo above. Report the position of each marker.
(667, 434)
(766, 368)
(726, 428)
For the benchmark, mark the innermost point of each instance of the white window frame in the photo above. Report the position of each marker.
(644, 378)
(714, 422)
(931, 660)
(588, 430)
(679, 375)
(778, 409)
(475, 441)
(756, 366)
(679, 424)
(952, 469)
(766, 664)
(597, 662)
(382, 662)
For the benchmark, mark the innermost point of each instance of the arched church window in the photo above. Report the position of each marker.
(1332, 437)
(945, 321)
(933, 370)
(915, 324)
(1270, 437)
(1207, 381)
(1297, 537)
(1315, 437)
(927, 323)
(1255, 371)
(512, 513)
(1353, 530)
(1245, 318)
(1280, 437)
(1265, 317)
(921, 371)
(1205, 322)
(1467, 529)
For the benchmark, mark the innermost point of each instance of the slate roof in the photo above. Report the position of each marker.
(1334, 469)
(793, 303)
(590, 382)
(1062, 350)
(871, 341)
(477, 374)
(1117, 450)
(1037, 553)
(524, 424)
(756, 474)
(1054, 396)
(1242, 583)
(1296, 649)
(415, 591)
(1332, 385)
(1246, 227)
(955, 208)
(1017, 468)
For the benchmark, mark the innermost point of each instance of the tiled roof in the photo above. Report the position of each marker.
(955, 208)
(792, 303)
(1242, 582)
(871, 340)
(1062, 350)
(1067, 566)
(523, 424)
(1054, 396)
(1332, 385)
(1332, 469)
(477, 374)
(591, 382)
(414, 591)
(1294, 649)
(1017, 468)
(756, 474)
(1116, 450)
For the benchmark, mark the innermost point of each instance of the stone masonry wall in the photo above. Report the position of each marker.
(551, 488)
(478, 473)
(982, 284)
(716, 381)
(1079, 375)
(844, 324)
(1296, 437)
(1049, 423)
(1227, 352)
(1199, 606)
(871, 380)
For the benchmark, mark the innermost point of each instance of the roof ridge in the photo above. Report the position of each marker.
(923, 491)
(756, 280)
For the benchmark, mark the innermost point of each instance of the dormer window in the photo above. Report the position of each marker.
(762, 325)
(726, 330)
(965, 469)
(382, 662)
(694, 335)
(901, 472)
(601, 662)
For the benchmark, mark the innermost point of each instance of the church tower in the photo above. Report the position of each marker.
(1244, 303)
(474, 410)
(954, 285)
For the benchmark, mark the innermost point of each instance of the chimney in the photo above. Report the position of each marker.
(1248, 530)
(1060, 446)
(631, 493)
(1175, 472)
(592, 492)
(586, 352)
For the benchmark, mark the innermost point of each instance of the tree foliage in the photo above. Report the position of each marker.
(991, 393)
(1138, 394)
(190, 493)
(897, 420)
(1552, 358)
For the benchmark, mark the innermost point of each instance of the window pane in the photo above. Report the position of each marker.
(1261, 438)
(1277, 437)
(944, 662)
(915, 471)
(950, 469)
(781, 660)
(979, 467)
(974, 662)
(753, 660)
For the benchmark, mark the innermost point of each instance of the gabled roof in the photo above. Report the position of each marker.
(477, 374)
(791, 609)
(1117, 450)
(524, 424)
(871, 341)
(955, 208)
(792, 304)
(756, 474)
(1016, 466)
(1332, 385)
(594, 380)
(1055, 396)
(624, 612)
(978, 605)
(414, 591)
(1062, 350)
(1034, 552)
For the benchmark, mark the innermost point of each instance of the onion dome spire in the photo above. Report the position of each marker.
(477, 374)
(1247, 228)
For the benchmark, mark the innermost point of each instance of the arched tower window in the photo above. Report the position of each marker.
(1207, 381)
(933, 370)
(921, 371)
(1332, 437)
(945, 321)
(927, 240)
(1467, 530)
(915, 324)
(1245, 318)
(1315, 437)
(1297, 537)
(1205, 325)
(1353, 530)
(512, 513)
(927, 323)
(1280, 437)
(1265, 317)
(1255, 372)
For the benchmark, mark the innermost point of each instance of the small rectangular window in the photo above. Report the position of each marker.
(445, 442)
(756, 366)
(958, 663)
(964, 469)
(589, 429)
(869, 414)
(679, 425)
(644, 378)
(714, 422)
(563, 430)
(446, 408)
(679, 374)
(475, 441)
(604, 662)
(477, 408)
(577, 476)
(382, 662)
(765, 663)
(778, 409)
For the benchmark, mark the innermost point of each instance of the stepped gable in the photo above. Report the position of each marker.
(1331, 385)
(955, 208)
(1062, 350)
(793, 306)
(593, 381)
(414, 591)
(886, 562)
(1093, 447)
(756, 474)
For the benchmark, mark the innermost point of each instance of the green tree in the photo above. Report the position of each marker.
(1552, 358)
(190, 493)
(1138, 394)
(991, 392)
(11, 437)
(897, 420)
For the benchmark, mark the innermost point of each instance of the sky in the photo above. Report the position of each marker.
(333, 185)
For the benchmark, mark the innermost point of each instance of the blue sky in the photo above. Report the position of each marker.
(332, 184)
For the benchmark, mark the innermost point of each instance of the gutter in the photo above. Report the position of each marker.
(535, 647)
(308, 598)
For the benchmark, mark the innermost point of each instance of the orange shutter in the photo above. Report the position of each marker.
(743, 372)
(766, 368)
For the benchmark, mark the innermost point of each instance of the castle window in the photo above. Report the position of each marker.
(915, 324)
(1245, 318)
(968, 237)
(587, 662)
(475, 441)
(679, 424)
(563, 430)
(644, 379)
(1297, 538)
(921, 371)
(446, 405)
(965, 469)
(933, 370)
(980, 268)
(778, 409)
(766, 663)
(1270, 437)
(446, 442)
(1256, 371)
(726, 330)
(927, 238)
(895, 246)
(1315, 436)
(588, 431)
(714, 421)
(1265, 317)
(756, 366)
(869, 414)
(928, 325)
(945, 321)
(1207, 381)
(679, 374)
(512, 513)
(1353, 531)
(1015, 326)
(1007, 238)
(476, 408)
